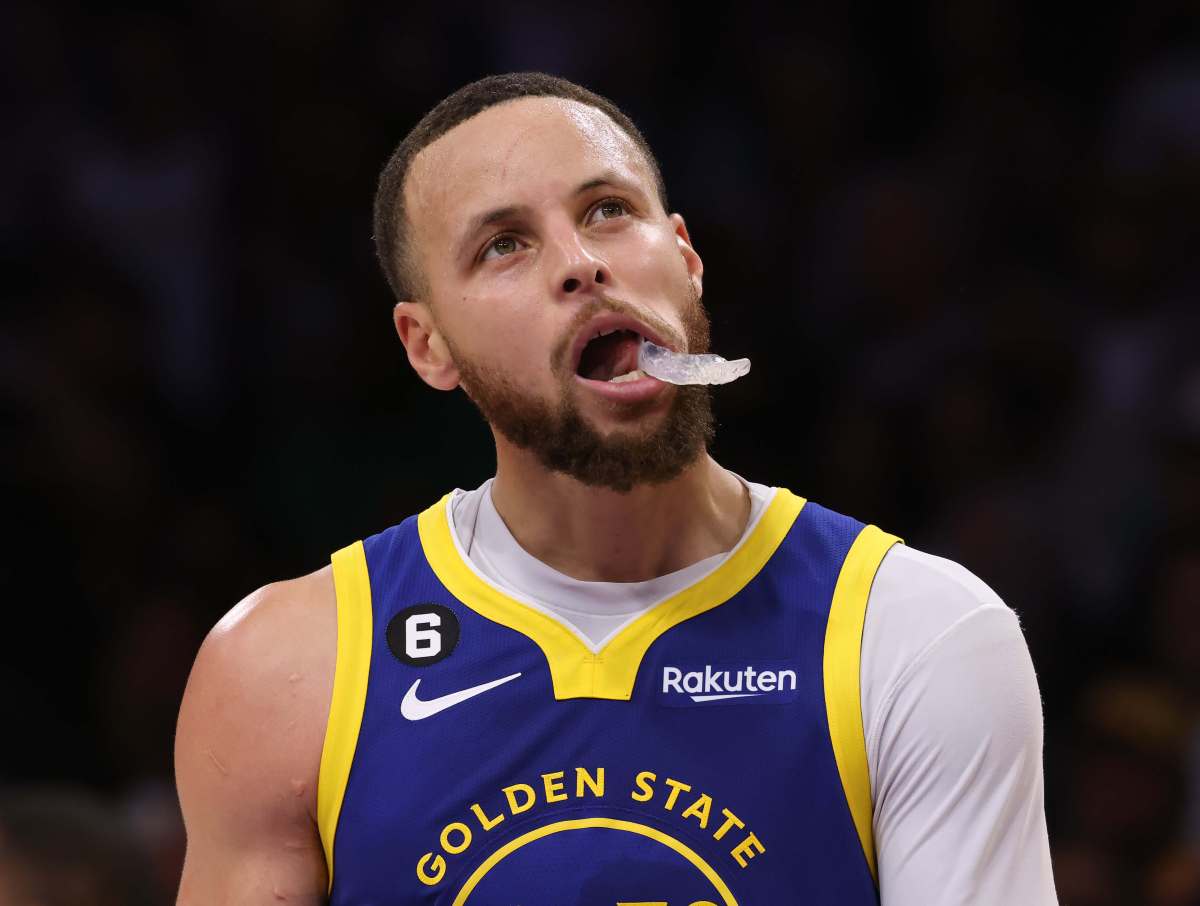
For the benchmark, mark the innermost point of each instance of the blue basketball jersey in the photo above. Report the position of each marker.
(711, 752)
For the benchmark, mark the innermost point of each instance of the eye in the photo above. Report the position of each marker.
(501, 245)
(609, 208)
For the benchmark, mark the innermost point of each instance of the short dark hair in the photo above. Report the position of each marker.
(391, 218)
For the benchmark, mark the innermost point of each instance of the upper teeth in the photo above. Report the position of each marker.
(605, 333)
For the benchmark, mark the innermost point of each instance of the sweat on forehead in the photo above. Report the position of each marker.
(512, 153)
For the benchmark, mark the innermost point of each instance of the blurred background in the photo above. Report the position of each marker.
(958, 241)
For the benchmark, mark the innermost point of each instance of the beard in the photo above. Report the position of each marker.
(562, 440)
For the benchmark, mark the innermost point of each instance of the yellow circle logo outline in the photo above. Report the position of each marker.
(580, 824)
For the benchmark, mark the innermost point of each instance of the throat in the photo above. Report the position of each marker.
(606, 536)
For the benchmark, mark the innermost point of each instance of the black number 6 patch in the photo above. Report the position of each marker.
(423, 634)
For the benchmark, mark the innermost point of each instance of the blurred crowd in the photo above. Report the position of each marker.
(957, 240)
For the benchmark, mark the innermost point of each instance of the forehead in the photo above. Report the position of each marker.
(522, 152)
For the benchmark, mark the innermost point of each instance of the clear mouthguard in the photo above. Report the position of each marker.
(681, 368)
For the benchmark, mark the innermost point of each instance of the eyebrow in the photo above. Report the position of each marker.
(487, 218)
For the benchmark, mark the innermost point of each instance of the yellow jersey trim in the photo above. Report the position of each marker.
(843, 654)
(582, 823)
(576, 670)
(353, 587)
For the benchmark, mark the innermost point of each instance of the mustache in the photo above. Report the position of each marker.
(562, 349)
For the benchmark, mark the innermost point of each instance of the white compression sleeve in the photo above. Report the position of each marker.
(953, 722)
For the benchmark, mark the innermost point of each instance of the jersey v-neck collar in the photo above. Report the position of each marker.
(610, 671)
(499, 558)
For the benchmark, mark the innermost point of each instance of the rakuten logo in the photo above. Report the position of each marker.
(710, 683)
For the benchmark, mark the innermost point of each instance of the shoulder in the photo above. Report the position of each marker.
(953, 718)
(277, 624)
(914, 585)
(937, 637)
(248, 747)
(252, 721)
(280, 639)
(927, 616)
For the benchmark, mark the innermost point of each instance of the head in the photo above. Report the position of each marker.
(523, 216)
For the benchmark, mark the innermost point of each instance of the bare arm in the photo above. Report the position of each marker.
(248, 749)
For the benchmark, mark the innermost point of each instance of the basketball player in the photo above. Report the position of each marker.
(616, 672)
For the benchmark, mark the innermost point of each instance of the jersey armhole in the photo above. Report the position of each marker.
(842, 663)
(352, 586)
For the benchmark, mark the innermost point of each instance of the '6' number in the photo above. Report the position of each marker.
(421, 637)
(423, 634)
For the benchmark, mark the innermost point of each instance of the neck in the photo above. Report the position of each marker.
(600, 535)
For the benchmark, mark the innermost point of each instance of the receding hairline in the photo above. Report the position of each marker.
(419, 165)
(392, 232)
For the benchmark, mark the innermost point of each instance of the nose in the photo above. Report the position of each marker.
(574, 284)
(579, 271)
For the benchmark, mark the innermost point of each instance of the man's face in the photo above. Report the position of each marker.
(536, 226)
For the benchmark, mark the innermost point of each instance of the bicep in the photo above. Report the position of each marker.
(959, 813)
(218, 875)
(246, 756)
(241, 848)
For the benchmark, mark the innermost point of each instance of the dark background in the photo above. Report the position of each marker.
(958, 242)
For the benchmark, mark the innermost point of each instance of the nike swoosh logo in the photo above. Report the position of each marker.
(415, 709)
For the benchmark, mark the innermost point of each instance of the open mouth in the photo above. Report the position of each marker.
(612, 356)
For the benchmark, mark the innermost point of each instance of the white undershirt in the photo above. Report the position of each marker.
(951, 709)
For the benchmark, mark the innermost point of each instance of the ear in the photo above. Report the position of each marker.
(695, 266)
(426, 347)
